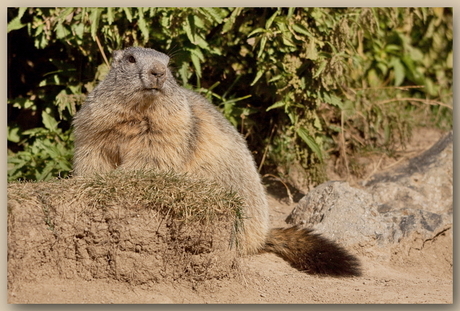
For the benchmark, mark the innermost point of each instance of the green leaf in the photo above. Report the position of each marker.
(129, 14)
(79, 30)
(278, 104)
(310, 141)
(333, 100)
(34, 131)
(317, 123)
(430, 88)
(392, 48)
(257, 30)
(13, 135)
(143, 27)
(94, 18)
(212, 12)
(258, 76)
(61, 31)
(189, 28)
(263, 41)
(231, 20)
(196, 63)
(275, 78)
(269, 22)
(399, 71)
(321, 68)
(110, 18)
(198, 22)
(383, 68)
(234, 100)
(312, 52)
(63, 15)
(16, 23)
(373, 78)
(201, 42)
(301, 30)
(49, 122)
(412, 71)
(288, 41)
(450, 60)
(46, 173)
(416, 54)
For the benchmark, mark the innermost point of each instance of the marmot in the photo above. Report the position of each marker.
(139, 118)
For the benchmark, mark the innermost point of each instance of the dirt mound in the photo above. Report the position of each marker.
(137, 229)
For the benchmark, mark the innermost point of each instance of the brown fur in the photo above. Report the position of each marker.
(311, 253)
(139, 118)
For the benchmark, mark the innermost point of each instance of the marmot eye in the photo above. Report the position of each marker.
(131, 59)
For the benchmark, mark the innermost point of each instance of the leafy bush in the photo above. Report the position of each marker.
(301, 84)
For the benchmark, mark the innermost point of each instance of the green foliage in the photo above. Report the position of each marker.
(48, 152)
(403, 69)
(301, 84)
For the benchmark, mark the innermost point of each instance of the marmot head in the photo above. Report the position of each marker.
(138, 69)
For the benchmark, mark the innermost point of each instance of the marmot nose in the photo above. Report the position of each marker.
(157, 72)
(156, 77)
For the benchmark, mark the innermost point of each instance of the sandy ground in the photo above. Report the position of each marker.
(267, 279)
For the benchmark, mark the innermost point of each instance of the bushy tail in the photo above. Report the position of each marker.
(311, 252)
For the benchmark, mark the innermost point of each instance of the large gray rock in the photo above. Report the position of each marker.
(414, 199)
(425, 182)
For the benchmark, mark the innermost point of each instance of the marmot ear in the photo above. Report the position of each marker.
(117, 56)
